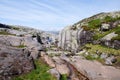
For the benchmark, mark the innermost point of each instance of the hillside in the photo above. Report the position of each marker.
(93, 37)
(86, 50)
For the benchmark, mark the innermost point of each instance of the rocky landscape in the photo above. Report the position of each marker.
(86, 50)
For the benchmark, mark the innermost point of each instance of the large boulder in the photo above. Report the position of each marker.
(47, 59)
(61, 66)
(10, 40)
(107, 41)
(14, 62)
(33, 46)
(94, 70)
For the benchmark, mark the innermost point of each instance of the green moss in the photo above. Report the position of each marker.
(40, 73)
(63, 77)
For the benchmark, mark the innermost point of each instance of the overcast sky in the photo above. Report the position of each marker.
(52, 15)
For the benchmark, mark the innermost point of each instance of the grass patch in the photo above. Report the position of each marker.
(93, 24)
(40, 73)
(90, 57)
(99, 35)
(21, 46)
(63, 77)
(101, 49)
(5, 33)
(116, 38)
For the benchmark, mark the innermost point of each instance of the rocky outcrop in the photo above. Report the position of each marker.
(14, 61)
(94, 70)
(73, 37)
(72, 40)
(33, 46)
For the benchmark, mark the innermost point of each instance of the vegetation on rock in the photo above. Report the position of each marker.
(40, 73)
(5, 33)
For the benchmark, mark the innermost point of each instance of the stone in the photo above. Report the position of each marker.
(94, 70)
(116, 44)
(109, 36)
(61, 66)
(55, 73)
(15, 62)
(10, 40)
(103, 56)
(110, 60)
(48, 60)
(105, 27)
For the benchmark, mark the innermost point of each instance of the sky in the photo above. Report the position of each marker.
(52, 15)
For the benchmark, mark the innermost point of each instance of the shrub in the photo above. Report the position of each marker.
(63, 77)
(86, 28)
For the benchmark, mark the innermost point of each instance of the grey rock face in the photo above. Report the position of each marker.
(10, 40)
(73, 39)
(27, 41)
(14, 62)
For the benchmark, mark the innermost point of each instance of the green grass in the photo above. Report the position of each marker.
(90, 57)
(63, 77)
(116, 38)
(5, 33)
(101, 49)
(110, 19)
(40, 73)
(93, 24)
(99, 35)
(21, 46)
